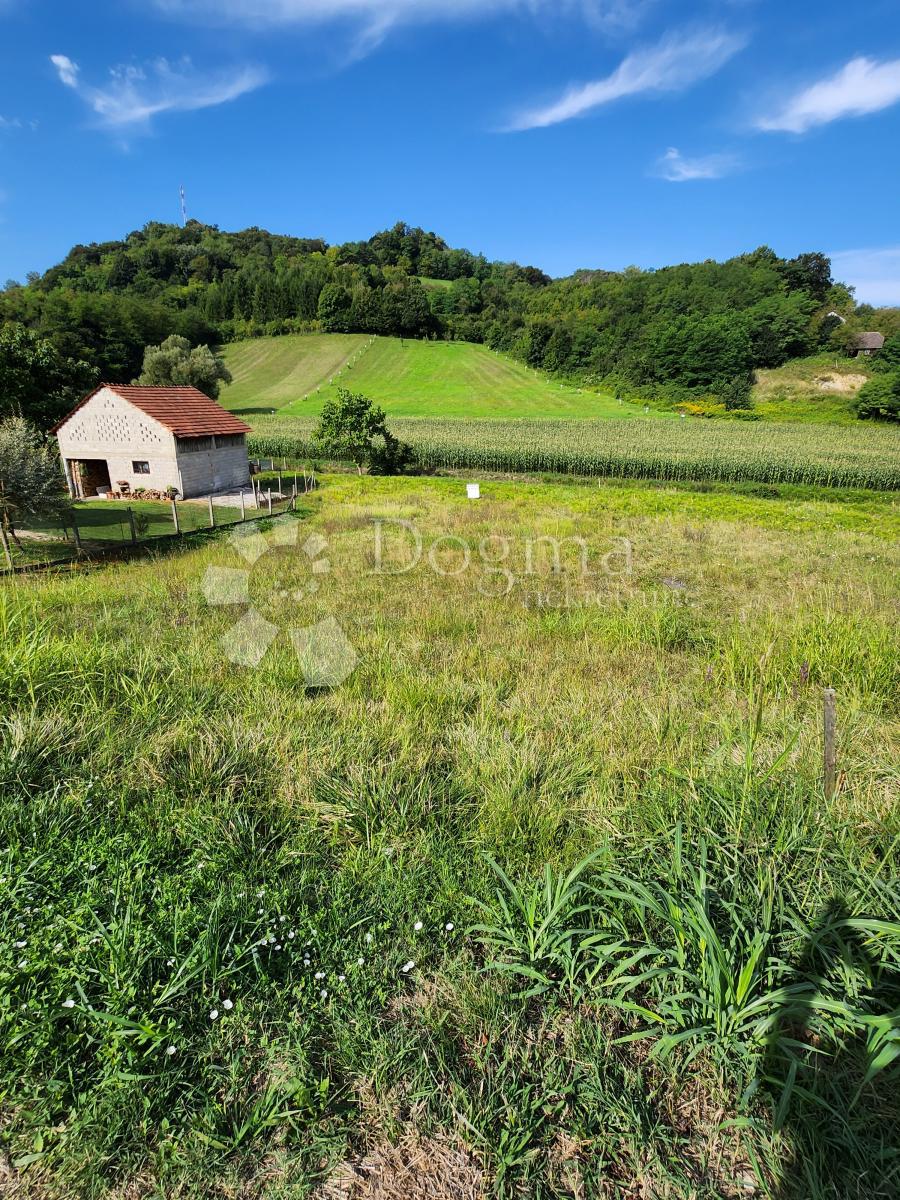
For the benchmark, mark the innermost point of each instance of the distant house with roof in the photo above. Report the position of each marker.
(156, 438)
(865, 344)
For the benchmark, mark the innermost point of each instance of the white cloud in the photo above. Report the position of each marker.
(68, 71)
(862, 86)
(10, 123)
(674, 167)
(672, 65)
(134, 95)
(875, 273)
(383, 13)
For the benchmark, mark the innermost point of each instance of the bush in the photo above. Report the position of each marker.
(879, 399)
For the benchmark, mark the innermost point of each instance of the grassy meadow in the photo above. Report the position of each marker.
(296, 374)
(822, 388)
(544, 900)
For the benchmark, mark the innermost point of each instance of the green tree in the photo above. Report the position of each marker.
(31, 481)
(174, 364)
(888, 360)
(334, 308)
(351, 427)
(38, 383)
(879, 399)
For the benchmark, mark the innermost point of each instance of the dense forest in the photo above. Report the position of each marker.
(683, 331)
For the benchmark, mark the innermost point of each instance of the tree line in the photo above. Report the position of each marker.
(684, 331)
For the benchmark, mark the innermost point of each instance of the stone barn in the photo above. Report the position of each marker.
(122, 438)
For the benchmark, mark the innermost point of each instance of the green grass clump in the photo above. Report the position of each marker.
(546, 895)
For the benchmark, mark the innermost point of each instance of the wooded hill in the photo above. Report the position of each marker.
(681, 331)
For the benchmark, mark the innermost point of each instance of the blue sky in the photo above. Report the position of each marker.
(564, 133)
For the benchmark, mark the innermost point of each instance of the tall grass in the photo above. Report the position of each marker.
(558, 889)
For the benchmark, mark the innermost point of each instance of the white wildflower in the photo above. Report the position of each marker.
(214, 1014)
(449, 926)
(170, 1050)
(407, 967)
(68, 1003)
(228, 1005)
(417, 926)
(360, 961)
(323, 993)
(320, 975)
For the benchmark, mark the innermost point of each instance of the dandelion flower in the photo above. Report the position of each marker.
(368, 937)
(170, 1050)
(70, 1003)
(228, 1005)
(214, 1014)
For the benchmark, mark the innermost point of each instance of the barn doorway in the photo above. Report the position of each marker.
(89, 476)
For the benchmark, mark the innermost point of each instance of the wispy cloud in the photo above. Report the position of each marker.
(874, 272)
(863, 86)
(672, 65)
(268, 13)
(674, 167)
(133, 95)
(67, 70)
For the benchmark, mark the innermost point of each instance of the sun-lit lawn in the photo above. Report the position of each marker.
(408, 378)
(252, 942)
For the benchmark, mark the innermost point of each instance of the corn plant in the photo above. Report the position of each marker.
(536, 933)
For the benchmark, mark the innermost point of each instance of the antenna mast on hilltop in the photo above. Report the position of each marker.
(183, 208)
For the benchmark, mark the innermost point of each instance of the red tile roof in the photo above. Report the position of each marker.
(183, 410)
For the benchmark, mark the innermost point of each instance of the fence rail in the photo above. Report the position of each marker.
(114, 529)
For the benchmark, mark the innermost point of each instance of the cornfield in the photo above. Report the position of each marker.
(864, 456)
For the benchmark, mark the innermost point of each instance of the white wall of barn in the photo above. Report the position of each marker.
(217, 470)
(110, 429)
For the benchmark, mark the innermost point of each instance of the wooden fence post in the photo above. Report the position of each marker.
(829, 726)
(76, 534)
(269, 499)
(132, 526)
(175, 518)
(6, 550)
(280, 489)
(243, 507)
(212, 514)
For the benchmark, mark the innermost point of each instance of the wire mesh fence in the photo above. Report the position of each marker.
(92, 528)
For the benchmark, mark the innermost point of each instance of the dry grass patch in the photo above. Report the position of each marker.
(417, 1168)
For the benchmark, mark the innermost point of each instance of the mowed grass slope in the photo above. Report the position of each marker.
(239, 951)
(408, 378)
(270, 373)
